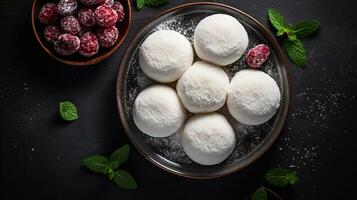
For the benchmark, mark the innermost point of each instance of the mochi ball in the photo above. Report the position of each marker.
(165, 55)
(220, 39)
(203, 87)
(158, 111)
(208, 139)
(253, 97)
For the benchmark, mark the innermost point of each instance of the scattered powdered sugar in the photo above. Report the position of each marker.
(170, 147)
(180, 24)
(315, 108)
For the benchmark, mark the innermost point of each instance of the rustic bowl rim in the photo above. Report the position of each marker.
(91, 61)
(263, 148)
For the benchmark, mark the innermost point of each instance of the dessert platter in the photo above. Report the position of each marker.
(203, 90)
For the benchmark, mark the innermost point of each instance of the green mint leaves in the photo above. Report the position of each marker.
(68, 111)
(294, 48)
(124, 180)
(109, 166)
(277, 177)
(140, 4)
(153, 3)
(120, 155)
(97, 163)
(278, 21)
(281, 177)
(306, 28)
(295, 51)
(259, 194)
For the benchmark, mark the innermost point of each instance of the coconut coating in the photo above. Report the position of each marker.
(158, 112)
(253, 97)
(208, 139)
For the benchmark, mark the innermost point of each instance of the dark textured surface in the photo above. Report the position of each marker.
(40, 155)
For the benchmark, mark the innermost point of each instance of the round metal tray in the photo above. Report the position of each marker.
(167, 153)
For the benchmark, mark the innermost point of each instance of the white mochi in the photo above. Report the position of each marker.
(253, 97)
(165, 55)
(158, 111)
(203, 87)
(208, 139)
(220, 39)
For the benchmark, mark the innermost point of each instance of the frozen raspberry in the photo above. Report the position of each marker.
(105, 16)
(70, 24)
(106, 2)
(67, 7)
(48, 13)
(90, 2)
(118, 7)
(107, 36)
(67, 44)
(257, 55)
(89, 45)
(51, 33)
(86, 17)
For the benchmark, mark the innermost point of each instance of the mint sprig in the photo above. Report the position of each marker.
(109, 167)
(68, 111)
(259, 194)
(281, 177)
(153, 3)
(278, 177)
(293, 46)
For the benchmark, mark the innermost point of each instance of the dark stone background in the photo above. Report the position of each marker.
(41, 155)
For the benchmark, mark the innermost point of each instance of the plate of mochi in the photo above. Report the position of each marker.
(203, 90)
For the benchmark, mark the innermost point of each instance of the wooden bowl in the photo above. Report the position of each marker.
(77, 59)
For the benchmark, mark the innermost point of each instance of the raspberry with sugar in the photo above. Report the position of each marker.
(89, 45)
(70, 24)
(86, 17)
(106, 2)
(67, 44)
(48, 13)
(258, 55)
(67, 7)
(118, 7)
(105, 16)
(51, 33)
(107, 36)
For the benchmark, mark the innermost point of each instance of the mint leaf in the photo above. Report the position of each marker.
(277, 20)
(98, 164)
(68, 111)
(292, 36)
(281, 177)
(111, 174)
(259, 194)
(140, 4)
(120, 155)
(306, 28)
(281, 32)
(155, 2)
(296, 52)
(125, 180)
(114, 164)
